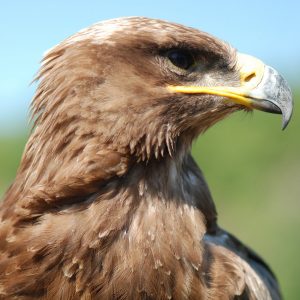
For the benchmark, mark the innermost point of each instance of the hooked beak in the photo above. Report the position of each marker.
(262, 88)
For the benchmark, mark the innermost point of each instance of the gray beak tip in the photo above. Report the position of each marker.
(274, 95)
(287, 105)
(284, 124)
(286, 116)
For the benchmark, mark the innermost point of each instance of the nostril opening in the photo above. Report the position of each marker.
(249, 77)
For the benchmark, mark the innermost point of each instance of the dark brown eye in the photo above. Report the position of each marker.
(181, 58)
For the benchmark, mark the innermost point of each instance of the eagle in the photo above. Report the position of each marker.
(108, 202)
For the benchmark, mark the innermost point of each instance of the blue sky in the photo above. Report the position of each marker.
(266, 29)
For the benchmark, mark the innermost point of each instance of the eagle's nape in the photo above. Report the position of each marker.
(108, 202)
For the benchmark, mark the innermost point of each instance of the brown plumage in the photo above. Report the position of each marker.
(108, 202)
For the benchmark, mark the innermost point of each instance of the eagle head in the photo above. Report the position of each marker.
(150, 86)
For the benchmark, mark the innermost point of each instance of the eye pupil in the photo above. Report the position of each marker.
(181, 59)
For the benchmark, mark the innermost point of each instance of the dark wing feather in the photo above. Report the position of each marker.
(260, 282)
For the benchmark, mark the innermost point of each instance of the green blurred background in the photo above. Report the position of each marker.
(251, 165)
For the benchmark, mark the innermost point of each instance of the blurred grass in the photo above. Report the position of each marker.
(253, 170)
(11, 148)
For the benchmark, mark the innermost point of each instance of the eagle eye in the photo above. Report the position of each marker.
(181, 58)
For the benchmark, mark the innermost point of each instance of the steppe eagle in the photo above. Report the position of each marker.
(108, 202)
